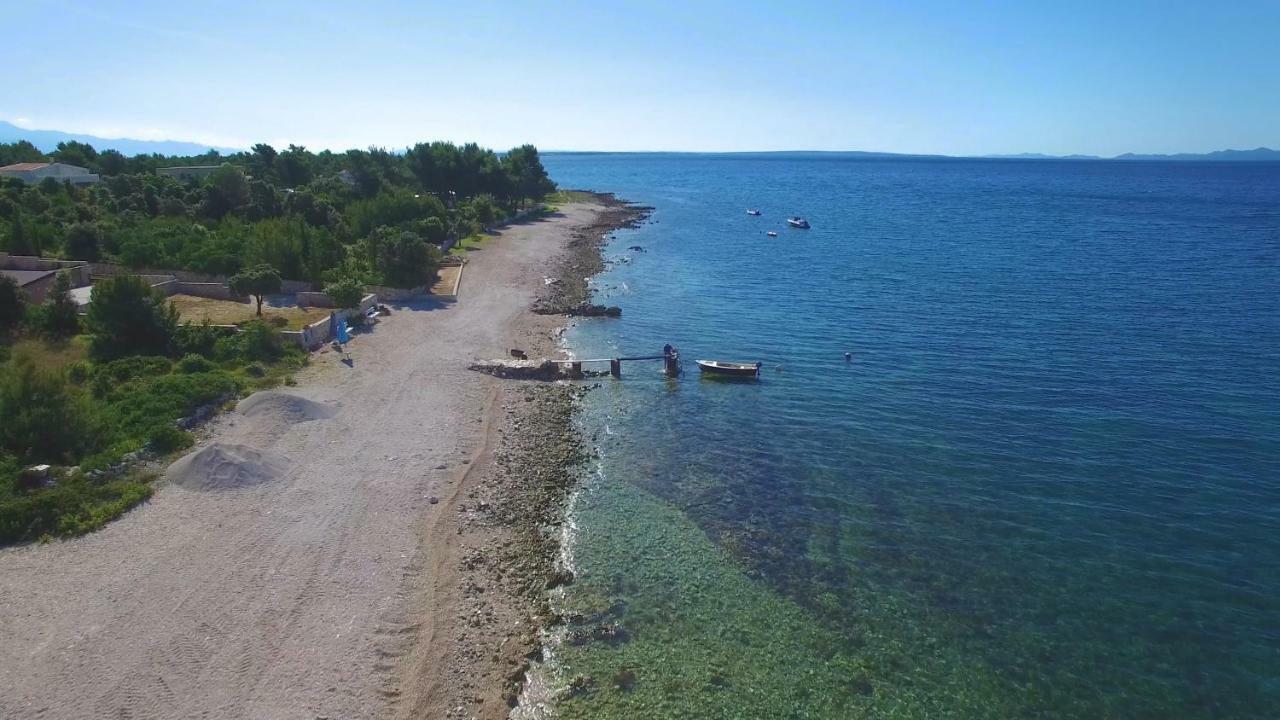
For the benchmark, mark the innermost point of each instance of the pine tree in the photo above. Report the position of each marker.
(61, 316)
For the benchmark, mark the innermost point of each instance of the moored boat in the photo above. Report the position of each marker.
(798, 222)
(729, 369)
(772, 234)
(755, 212)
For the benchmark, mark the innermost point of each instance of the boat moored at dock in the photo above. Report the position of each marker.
(729, 369)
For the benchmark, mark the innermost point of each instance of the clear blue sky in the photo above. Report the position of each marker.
(933, 77)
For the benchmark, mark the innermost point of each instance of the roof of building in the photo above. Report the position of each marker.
(82, 295)
(24, 167)
(26, 277)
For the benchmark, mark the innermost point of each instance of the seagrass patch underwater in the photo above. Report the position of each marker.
(1043, 486)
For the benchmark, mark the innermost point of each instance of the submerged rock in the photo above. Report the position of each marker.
(590, 310)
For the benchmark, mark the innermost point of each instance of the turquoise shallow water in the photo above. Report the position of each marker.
(1048, 485)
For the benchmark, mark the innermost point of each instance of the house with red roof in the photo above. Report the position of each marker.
(33, 173)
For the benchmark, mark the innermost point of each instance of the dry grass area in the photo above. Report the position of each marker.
(230, 312)
(51, 355)
(446, 279)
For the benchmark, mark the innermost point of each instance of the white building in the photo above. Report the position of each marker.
(62, 172)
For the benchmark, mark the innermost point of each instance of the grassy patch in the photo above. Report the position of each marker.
(446, 278)
(468, 243)
(73, 505)
(230, 312)
(50, 354)
(562, 197)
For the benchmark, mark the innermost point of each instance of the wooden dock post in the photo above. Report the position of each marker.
(615, 367)
(575, 370)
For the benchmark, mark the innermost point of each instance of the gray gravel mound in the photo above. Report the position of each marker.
(270, 404)
(224, 466)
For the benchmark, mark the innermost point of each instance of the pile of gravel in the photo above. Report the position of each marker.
(283, 407)
(225, 466)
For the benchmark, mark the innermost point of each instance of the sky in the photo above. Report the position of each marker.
(929, 76)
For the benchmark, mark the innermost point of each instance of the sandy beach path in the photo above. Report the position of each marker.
(298, 597)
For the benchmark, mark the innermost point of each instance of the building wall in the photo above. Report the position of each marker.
(77, 269)
(37, 291)
(58, 171)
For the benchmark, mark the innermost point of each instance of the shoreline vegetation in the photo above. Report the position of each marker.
(105, 399)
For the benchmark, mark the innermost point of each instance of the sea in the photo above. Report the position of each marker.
(1043, 483)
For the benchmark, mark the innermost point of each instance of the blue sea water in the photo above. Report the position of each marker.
(1047, 484)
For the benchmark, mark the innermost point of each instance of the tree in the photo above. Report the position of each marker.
(61, 315)
(227, 191)
(12, 307)
(83, 241)
(257, 281)
(527, 174)
(21, 242)
(346, 293)
(129, 317)
(111, 162)
(293, 166)
(76, 153)
(20, 152)
(264, 159)
(403, 259)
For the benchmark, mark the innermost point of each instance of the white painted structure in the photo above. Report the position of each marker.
(62, 172)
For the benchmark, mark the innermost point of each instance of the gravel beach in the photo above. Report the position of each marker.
(380, 557)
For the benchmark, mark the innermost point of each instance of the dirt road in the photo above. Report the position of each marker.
(296, 597)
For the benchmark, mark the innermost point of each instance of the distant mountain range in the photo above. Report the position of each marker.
(47, 141)
(1256, 155)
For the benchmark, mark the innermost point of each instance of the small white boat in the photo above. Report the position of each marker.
(754, 212)
(730, 369)
(798, 222)
(771, 233)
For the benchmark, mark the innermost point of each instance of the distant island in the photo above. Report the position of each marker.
(47, 141)
(1261, 154)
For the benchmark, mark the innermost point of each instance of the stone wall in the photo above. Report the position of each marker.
(77, 269)
(186, 276)
(320, 331)
(390, 294)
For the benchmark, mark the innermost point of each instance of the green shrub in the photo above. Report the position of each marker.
(132, 368)
(167, 438)
(200, 339)
(74, 506)
(255, 369)
(346, 293)
(194, 364)
(256, 340)
(44, 419)
(78, 372)
(149, 403)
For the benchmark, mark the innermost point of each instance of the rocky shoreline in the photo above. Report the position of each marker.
(511, 522)
(569, 292)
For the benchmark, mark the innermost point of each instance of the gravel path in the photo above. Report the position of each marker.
(298, 597)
